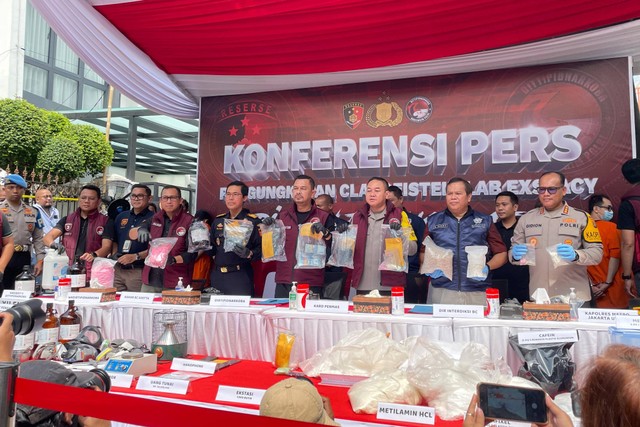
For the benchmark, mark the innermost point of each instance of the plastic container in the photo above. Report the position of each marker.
(630, 337)
(54, 266)
(62, 289)
(302, 293)
(493, 303)
(293, 297)
(397, 300)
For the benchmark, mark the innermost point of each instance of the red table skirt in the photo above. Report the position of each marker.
(260, 375)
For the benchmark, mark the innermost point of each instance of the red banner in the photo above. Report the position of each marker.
(498, 129)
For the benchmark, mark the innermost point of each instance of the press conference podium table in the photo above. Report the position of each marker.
(250, 332)
(260, 375)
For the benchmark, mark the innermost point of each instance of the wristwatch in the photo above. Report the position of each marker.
(577, 257)
(626, 277)
(138, 256)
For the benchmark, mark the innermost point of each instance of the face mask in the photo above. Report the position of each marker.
(608, 216)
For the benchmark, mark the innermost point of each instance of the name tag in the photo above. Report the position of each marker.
(120, 380)
(251, 396)
(137, 297)
(327, 306)
(190, 365)
(454, 310)
(6, 303)
(13, 294)
(406, 413)
(548, 337)
(595, 315)
(230, 300)
(164, 385)
(628, 322)
(85, 298)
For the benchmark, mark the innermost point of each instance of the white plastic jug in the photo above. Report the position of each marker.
(54, 266)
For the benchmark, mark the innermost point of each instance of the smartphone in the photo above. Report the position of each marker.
(512, 403)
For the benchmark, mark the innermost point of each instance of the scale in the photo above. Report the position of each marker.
(135, 364)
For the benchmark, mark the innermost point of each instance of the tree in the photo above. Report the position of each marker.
(96, 150)
(63, 156)
(24, 129)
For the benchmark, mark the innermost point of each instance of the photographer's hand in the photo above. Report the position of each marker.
(7, 338)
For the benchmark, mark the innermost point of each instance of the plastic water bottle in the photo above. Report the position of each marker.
(573, 303)
(293, 295)
(180, 285)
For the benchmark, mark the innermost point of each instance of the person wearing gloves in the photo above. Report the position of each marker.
(302, 210)
(557, 230)
(376, 211)
(232, 273)
(455, 228)
(171, 221)
(82, 230)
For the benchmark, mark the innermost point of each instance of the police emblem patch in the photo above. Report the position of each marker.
(418, 109)
(99, 230)
(181, 231)
(67, 226)
(353, 113)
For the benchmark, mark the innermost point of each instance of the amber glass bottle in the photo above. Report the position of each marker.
(50, 327)
(70, 323)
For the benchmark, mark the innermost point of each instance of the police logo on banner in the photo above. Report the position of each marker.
(418, 109)
(353, 113)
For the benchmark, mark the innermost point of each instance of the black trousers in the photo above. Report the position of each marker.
(233, 283)
(14, 268)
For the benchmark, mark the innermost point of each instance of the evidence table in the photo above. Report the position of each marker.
(235, 332)
(319, 331)
(249, 332)
(494, 333)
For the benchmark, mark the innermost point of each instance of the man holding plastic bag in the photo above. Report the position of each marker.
(166, 260)
(236, 242)
(301, 219)
(384, 241)
(562, 240)
(474, 242)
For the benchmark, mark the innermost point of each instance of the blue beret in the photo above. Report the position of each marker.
(15, 179)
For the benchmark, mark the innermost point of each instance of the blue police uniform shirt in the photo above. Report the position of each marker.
(124, 222)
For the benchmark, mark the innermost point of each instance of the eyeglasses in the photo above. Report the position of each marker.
(609, 208)
(550, 190)
(233, 195)
(169, 198)
(138, 196)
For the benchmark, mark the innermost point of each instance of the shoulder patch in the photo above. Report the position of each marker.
(251, 215)
(590, 233)
(220, 215)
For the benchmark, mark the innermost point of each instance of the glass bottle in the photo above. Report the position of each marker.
(70, 323)
(50, 327)
(78, 274)
(25, 280)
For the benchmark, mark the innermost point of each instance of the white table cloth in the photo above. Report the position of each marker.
(318, 331)
(494, 333)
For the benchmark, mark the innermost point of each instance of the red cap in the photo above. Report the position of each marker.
(493, 292)
(303, 287)
(64, 281)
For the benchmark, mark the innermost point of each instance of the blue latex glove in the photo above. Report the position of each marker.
(436, 274)
(485, 273)
(518, 251)
(566, 252)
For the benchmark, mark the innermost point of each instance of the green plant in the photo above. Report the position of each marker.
(24, 130)
(97, 151)
(62, 156)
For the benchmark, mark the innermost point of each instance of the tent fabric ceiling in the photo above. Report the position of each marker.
(166, 54)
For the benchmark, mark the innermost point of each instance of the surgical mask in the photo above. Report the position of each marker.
(608, 215)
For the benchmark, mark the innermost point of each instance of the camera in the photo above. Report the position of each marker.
(100, 379)
(28, 316)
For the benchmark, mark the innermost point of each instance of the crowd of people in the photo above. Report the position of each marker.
(554, 246)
